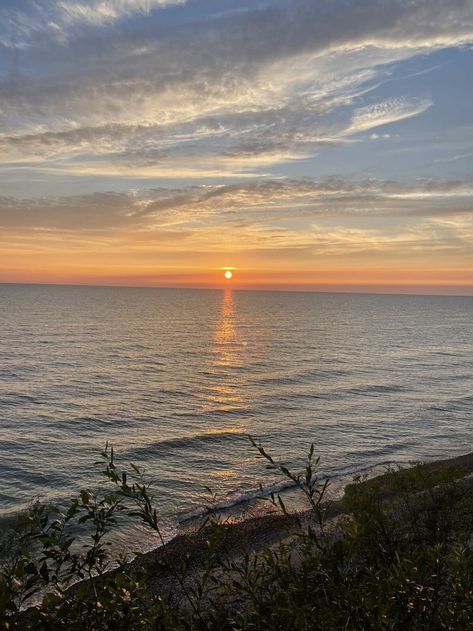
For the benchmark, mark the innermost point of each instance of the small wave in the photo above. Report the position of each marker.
(317, 373)
(173, 392)
(278, 381)
(279, 487)
(185, 442)
(212, 413)
(6, 373)
(458, 403)
(376, 389)
(20, 399)
(5, 499)
(445, 353)
(236, 500)
(302, 377)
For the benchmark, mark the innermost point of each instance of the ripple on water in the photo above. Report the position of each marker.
(176, 378)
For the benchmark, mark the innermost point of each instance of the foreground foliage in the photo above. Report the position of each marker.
(396, 555)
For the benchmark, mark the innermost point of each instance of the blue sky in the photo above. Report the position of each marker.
(312, 130)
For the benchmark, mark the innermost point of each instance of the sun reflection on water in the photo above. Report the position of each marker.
(225, 395)
(227, 361)
(227, 348)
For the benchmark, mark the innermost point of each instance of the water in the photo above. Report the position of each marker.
(176, 379)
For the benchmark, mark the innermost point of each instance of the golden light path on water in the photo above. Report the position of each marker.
(226, 391)
(227, 358)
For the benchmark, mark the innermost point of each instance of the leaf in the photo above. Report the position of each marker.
(43, 570)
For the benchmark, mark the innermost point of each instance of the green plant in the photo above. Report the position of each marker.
(394, 554)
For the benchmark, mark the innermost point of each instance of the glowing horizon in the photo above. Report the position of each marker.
(420, 283)
(334, 154)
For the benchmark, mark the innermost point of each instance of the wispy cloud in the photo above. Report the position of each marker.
(99, 12)
(24, 21)
(264, 203)
(387, 112)
(266, 84)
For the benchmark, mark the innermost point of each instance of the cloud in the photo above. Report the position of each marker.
(68, 214)
(264, 85)
(296, 229)
(57, 18)
(265, 203)
(98, 12)
(387, 112)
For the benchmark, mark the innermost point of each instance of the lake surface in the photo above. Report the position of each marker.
(176, 379)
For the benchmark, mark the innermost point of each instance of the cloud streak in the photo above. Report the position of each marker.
(387, 112)
(265, 84)
(264, 203)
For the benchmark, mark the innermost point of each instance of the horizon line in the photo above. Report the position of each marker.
(233, 288)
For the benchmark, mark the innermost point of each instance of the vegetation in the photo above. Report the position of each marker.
(396, 554)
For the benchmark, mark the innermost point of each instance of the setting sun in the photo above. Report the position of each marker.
(228, 274)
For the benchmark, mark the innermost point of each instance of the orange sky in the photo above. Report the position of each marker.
(451, 281)
(419, 256)
(308, 147)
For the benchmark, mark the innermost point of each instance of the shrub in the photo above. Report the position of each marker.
(394, 554)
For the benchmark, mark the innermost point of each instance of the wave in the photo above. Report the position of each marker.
(457, 404)
(211, 412)
(377, 389)
(265, 492)
(301, 377)
(20, 399)
(185, 442)
(446, 353)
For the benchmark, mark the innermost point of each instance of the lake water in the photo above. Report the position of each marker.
(176, 379)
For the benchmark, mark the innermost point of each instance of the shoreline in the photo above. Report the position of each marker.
(248, 509)
(259, 532)
(236, 541)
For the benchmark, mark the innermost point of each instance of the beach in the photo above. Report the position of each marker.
(238, 538)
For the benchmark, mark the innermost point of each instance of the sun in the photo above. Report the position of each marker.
(227, 272)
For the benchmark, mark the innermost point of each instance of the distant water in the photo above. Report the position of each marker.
(176, 379)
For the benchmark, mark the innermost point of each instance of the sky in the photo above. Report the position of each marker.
(310, 144)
